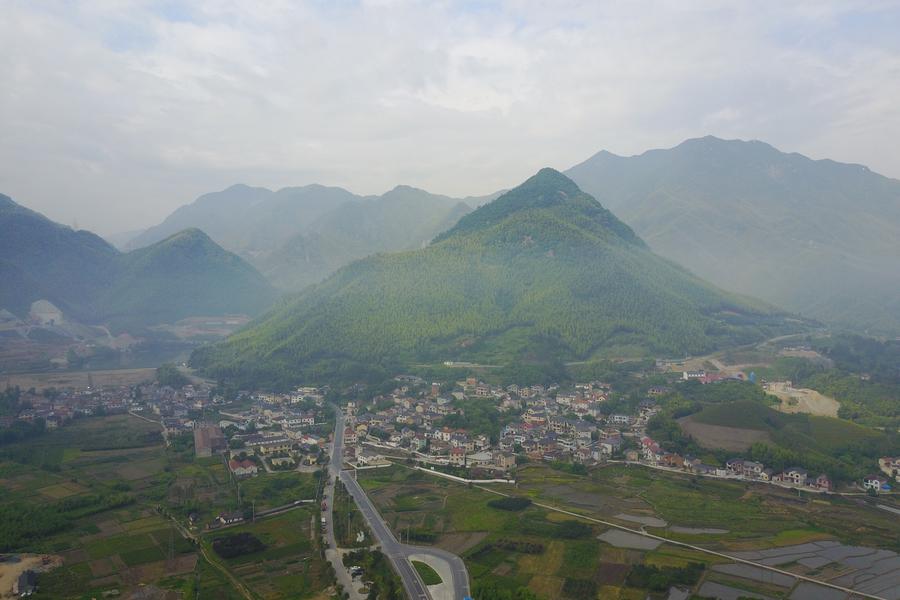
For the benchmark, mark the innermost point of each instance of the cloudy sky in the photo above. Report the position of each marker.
(115, 112)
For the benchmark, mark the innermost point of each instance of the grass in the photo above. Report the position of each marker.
(429, 576)
(98, 456)
(580, 559)
(827, 436)
(290, 566)
(119, 544)
(272, 490)
(139, 537)
(756, 516)
(140, 556)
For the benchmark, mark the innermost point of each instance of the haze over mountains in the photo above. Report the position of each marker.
(540, 275)
(183, 275)
(296, 236)
(818, 238)
(814, 236)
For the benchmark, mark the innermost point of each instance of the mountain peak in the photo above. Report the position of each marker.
(189, 234)
(548, 194)
(191, 237)
(549, 179)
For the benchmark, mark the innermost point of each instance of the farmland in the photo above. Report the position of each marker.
(288, 565)
(556, 556)
(88, 488)
(89, 496)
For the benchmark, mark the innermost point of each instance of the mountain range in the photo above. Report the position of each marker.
(540, 275)
(816, 237)
(297, 236)
(185, 274)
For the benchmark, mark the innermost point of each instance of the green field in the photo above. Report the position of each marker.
(511, 549)
(429, 576)
(540, 550)
(844, 450)
(278, 489)
(89, 494)
(290, 566)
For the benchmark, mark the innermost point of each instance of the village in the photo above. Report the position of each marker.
(419, 422)
(551, 424)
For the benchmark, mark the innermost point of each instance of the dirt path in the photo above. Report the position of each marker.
(803, 400)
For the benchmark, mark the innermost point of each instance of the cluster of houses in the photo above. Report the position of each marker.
(174, 407)
(551, 424)
(737, 468)
(274, 433)
(61, 407)
(890, 472)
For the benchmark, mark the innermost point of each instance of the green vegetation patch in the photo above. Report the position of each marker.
(660, 579)
(238, 544)
(280, 489)
(512, 503)
(429, 576)
(140, 556)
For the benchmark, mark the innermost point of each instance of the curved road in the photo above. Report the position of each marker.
(397, 553)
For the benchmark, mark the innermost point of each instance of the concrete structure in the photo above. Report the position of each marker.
(209, 440)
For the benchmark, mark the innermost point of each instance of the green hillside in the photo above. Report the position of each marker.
(297, 236)
(816, 237)
(404, 218)
(90, 281)
(543, 274)
(843, 449)
(43, 259)
(186, 274)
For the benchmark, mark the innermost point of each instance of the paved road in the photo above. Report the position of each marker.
(334, 470)
(397, 553)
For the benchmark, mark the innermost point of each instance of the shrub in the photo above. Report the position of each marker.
(572, 530)
(231, 546)
(511, 503)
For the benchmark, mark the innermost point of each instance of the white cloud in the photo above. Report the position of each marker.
(114, 113)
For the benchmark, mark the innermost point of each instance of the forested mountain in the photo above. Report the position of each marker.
(813, 236)
(43, 259)
(185, 274)
(298, 236)
(542, 274)
(403, 218)
(249, 221)
(90, 281)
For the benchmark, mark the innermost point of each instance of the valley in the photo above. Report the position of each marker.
(620, 497)
(491, 300)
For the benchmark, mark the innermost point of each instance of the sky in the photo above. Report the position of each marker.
(115, 112)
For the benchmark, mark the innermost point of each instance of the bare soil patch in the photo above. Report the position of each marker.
(717, 436)
(12, 567)
(101, 567)
(611, 574)
(113, 377)
(803, 400)
(458, 543)
(61, 490)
